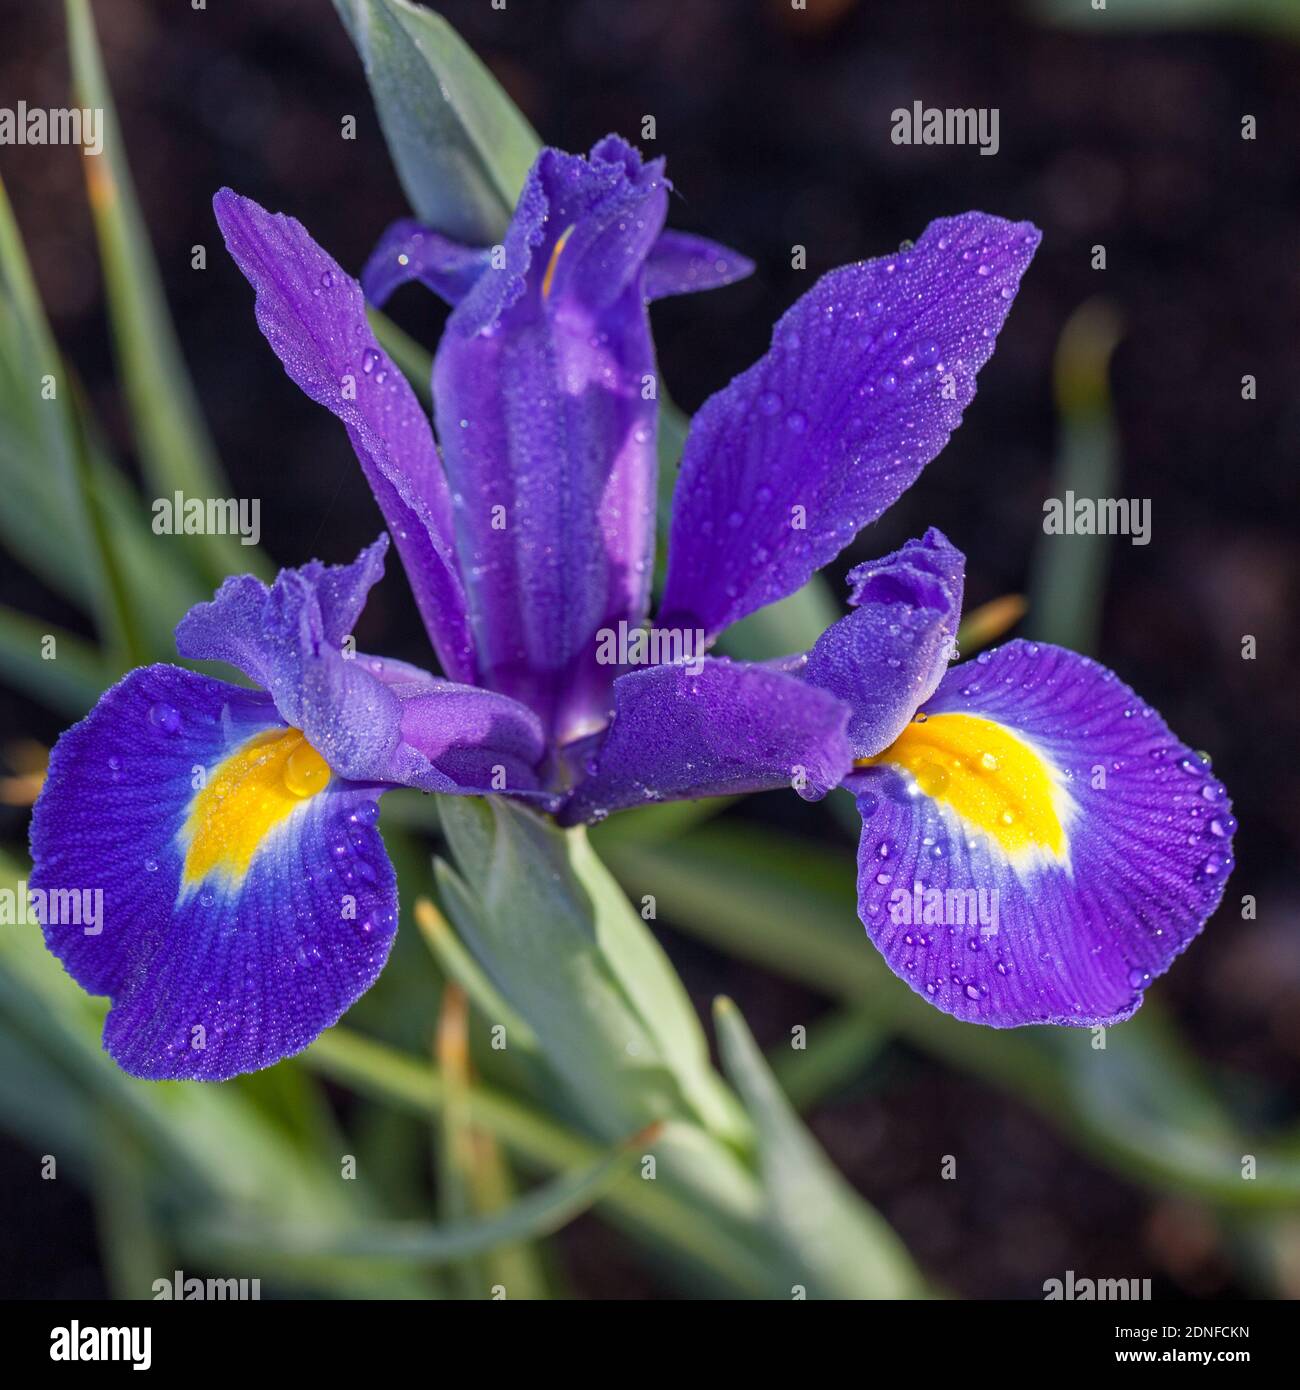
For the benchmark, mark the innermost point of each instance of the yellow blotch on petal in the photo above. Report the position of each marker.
(246, 796)
(991, 778)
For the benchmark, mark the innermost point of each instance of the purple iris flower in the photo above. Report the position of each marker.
(1036, 845)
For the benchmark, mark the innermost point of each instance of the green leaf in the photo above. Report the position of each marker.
(134, 1248)
(787, 903)
(457, 963)
(65, 512)
(176, 453)
(461, 147)
(540, 1212)
(48, 511)
(709, 1242)
(560, 941)
(838, 1246)
(41, 504)
(838, 1048)
(1068, 574)
(70, 682)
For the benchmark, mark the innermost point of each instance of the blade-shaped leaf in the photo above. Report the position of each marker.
(563, 945)
(461, 147)
(838, 1246)
(49, 515)
(176, 452)
(716, 1244)
(70, 680)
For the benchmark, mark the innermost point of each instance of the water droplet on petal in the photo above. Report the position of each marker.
(165, 717)
(305, 771)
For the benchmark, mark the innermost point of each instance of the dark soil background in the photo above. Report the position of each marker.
(776, 126)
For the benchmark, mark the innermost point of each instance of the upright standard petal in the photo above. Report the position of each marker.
(1038, 846)
(867, 376)
(888, 656)
(199, 862)
(372, 722)
(713, 728)
(544, 391)
(313, 315)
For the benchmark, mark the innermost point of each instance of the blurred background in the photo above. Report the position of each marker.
(1116, 129)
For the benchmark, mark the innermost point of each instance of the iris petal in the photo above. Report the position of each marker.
(724, 728)
(681, 263)
(1066, 846)
(544, 391)
(313, 316)
(888, 656)
(409, 251)
(372, 721)
(867, 376)
(277, 928)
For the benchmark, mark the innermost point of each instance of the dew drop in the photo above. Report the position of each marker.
(165, 717)
(305, 771)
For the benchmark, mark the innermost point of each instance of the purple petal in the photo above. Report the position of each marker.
(372, 722)
(680, 263)
(408, 250)
(867, 376)
(225, 972)
(549, 440)
(721, 728)
(887, 658)
(1093, 900)
(313, 315)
